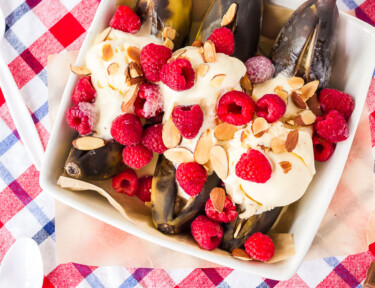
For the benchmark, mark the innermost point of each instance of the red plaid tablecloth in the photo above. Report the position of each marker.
(37, 28)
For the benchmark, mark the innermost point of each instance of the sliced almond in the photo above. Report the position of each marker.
(103, 35)
(309, 90)
(134, 54)
(304, 118)
(203, 147)
(80, 71)
(217, 196)
(291, 140)
(225, 131)
(197, 43)
(113, 68)
(314, 105)
(168, 43)
(245, 83)
(240, 254)
(135, 70)
(298, 101)
(179, 155)
(277, 145)
(169, 32)
(259, 125)
(286, 166)
(178, 53)
(219, 161)
(107, 52)
(130, 96)
(87, 143)
(281, 93)
(170, 134)
(229, 16)
(202, 70)
(209, 52)
(244, 135)
(217, 80)
(296, 82)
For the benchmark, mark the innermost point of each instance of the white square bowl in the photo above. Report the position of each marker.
(352, 72)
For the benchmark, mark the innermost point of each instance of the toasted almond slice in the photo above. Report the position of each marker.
(240, 254)
(297, 99)
(113, 68)
(245, 83)
(168, 43)
(238, 229)
(130, 96)
(80, 71)
(107, 52)
(259, 125)
(103, 35)
(204, 145)
(217, 196)
(225, 131)
(169, 32)
(197, 43)
(296, 82)
(178, 53)
(209, 52)
(309, 90)
(277, 145)
(202, 70)
(304, 118)
(291, 140)
(134, 54)
(135, 70)
(314, 105)
(170, 134)
(229, 16)
(219, 161)
(286, 166)
(282, 94)
(179, 155)
(217, 80)
(87, 143)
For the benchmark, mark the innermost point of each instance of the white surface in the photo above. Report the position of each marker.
(22, 266)
(352, 73)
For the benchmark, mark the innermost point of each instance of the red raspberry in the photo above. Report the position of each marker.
(178, 74)
(126, 182)
(259, 69)
(260, 247)
(323, 149)
(157, 119)
(136, 156)
(331, 99)
(144, 191)
(152, 139)
(125, 19)
(188, 120)
(127, 129)
(254, 166)
(228, 215)
(206, 233)
(82, 117)
(149, 102)
(191, 176)
(223, 39)
(153, 57)
(371, 248)
(236, 108)
(332, 127)
(271, 107)
(84, 92)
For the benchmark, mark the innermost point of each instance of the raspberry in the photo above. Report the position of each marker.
(188, 120)
(127, 129)
(125, 19)
(371, 248)
(254, 166)
(260, 247)
(157, 119)
(259, 69)
(144, 191)
(236, 108)
(149, 102)
(82, 117)
(152, 139)
(153, 57)
(136, 156)
(331, 99)
(323, 149)
(178, 74)
(126, 182)
(191, 176)
(332, 127)
(206, 233)
(228, 215)
(271, 107)
(84, 92)
(223, 39)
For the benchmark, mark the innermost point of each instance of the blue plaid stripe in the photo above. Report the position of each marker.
(342, 271)
(43, 76)
(90, 277)
(350, 4)
(40, 113)
(135, 278)
(14, 41)
(16, 15)
(47, 231)
(263, 285)
(8, 142)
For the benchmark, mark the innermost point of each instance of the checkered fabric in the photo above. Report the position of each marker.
(37, 28)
